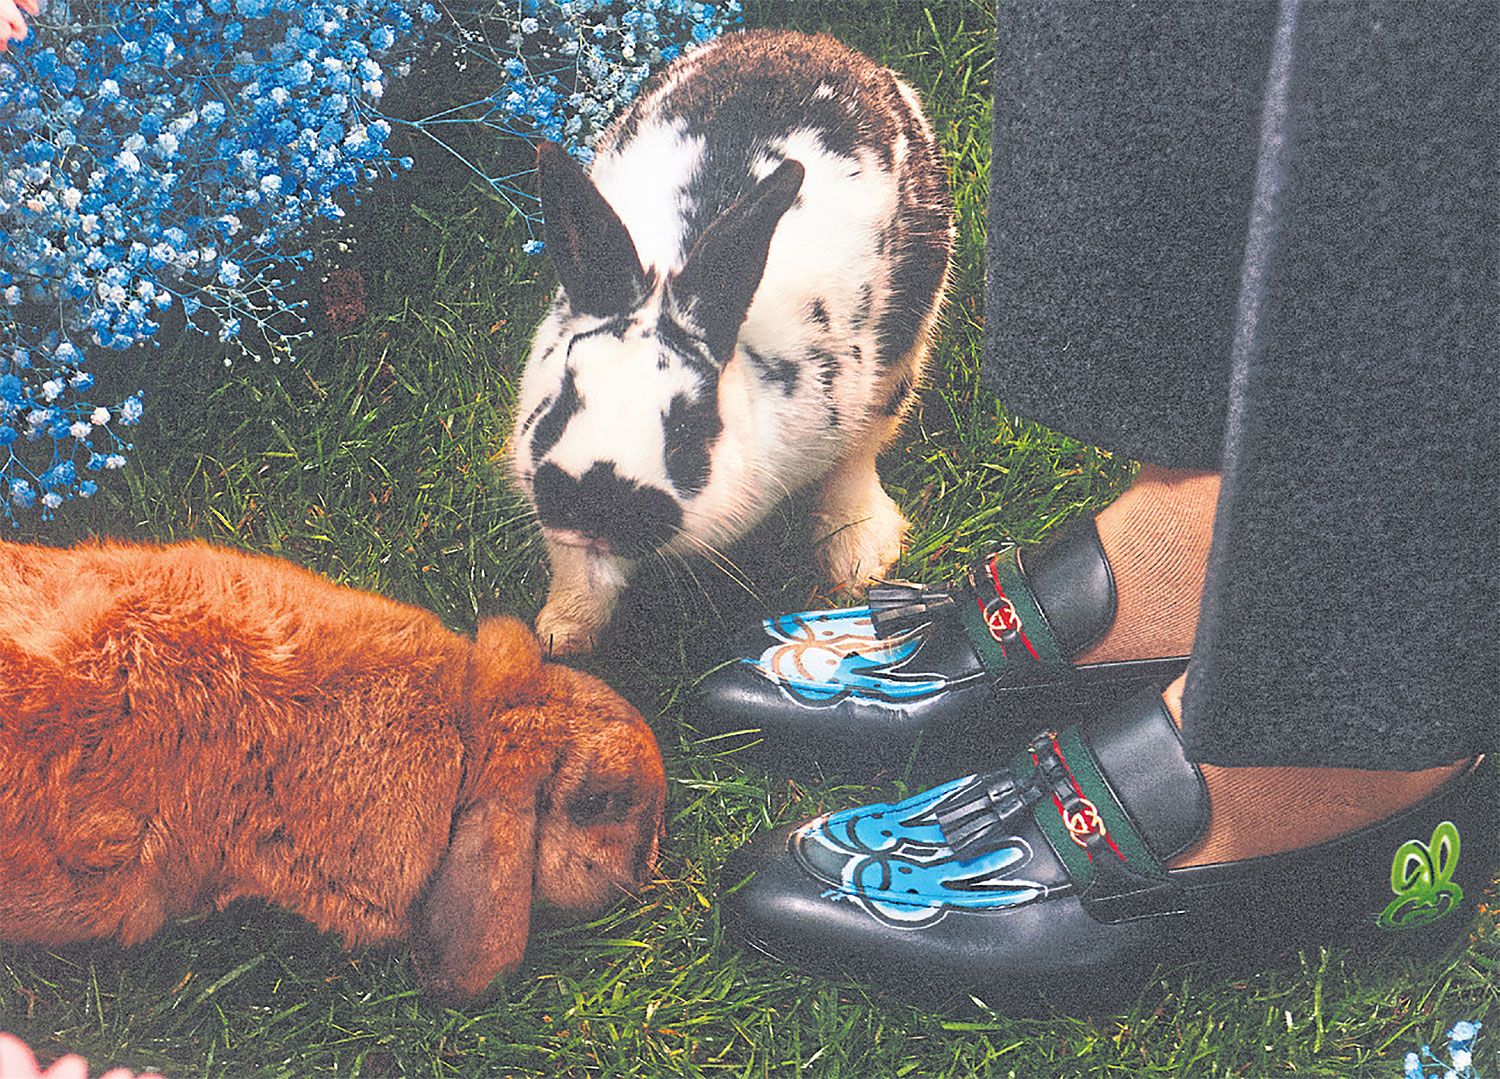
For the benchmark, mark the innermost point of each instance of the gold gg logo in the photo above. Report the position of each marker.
(1000, 616)
(1083, 822)
(1422, 879)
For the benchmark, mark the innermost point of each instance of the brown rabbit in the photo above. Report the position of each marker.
(184, 726)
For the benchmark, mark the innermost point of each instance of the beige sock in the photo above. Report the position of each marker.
(1269, 810)
(1156, 537)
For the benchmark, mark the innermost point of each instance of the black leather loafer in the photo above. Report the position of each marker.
(1048, 876)
(954, 669)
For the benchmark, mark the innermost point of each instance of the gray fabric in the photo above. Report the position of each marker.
(1262, 237)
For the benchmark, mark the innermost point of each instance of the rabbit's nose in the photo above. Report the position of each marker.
(632, 518)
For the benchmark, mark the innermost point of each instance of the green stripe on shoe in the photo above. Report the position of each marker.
(1034, 628)
(988, 649)
(1117, 824)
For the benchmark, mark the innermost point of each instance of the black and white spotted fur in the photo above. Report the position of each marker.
(750, 273)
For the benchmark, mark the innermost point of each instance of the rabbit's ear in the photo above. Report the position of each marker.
(719, 279)
(473, 920)
(589, 244)
(507, 660)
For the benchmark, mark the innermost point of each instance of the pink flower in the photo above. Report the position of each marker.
(17, 1060)
(12, 23)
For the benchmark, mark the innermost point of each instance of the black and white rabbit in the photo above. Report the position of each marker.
(751, 272)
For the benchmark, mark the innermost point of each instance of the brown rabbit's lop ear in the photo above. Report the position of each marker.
(472, 922)
(507, 660)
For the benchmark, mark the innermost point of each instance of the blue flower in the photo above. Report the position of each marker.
(1463, 1032)
(61, 474)
(201, 110)
(1460, 1063)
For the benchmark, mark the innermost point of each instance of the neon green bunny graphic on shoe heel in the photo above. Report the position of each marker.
(1421, 878)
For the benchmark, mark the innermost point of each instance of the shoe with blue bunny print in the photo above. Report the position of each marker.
(953, 670)
(1053, 874)
(894, 863)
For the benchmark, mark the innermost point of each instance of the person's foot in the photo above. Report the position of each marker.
(1108, 607)
(1258, 811)
(1099, 852)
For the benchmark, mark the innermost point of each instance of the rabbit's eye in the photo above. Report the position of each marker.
(586, 807)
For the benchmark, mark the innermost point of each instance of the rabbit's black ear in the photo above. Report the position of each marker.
(472, 922)
(589, 244)
(719, 279)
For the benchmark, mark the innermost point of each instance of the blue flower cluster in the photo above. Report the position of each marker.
(167, 152)
(160, 154)
(567, 67)
(1460, 1064)
(76, 432)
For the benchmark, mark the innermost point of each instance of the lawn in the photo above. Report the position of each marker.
(372, 457)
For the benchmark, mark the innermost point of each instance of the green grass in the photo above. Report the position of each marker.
(370, 458)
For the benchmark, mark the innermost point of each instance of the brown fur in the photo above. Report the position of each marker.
(184, 726)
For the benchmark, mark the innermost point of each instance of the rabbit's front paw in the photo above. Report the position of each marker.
(857, 544)
(564, 630)
(585, 586)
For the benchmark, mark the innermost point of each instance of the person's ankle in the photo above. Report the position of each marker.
(1156, 537)
(1270, 810)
